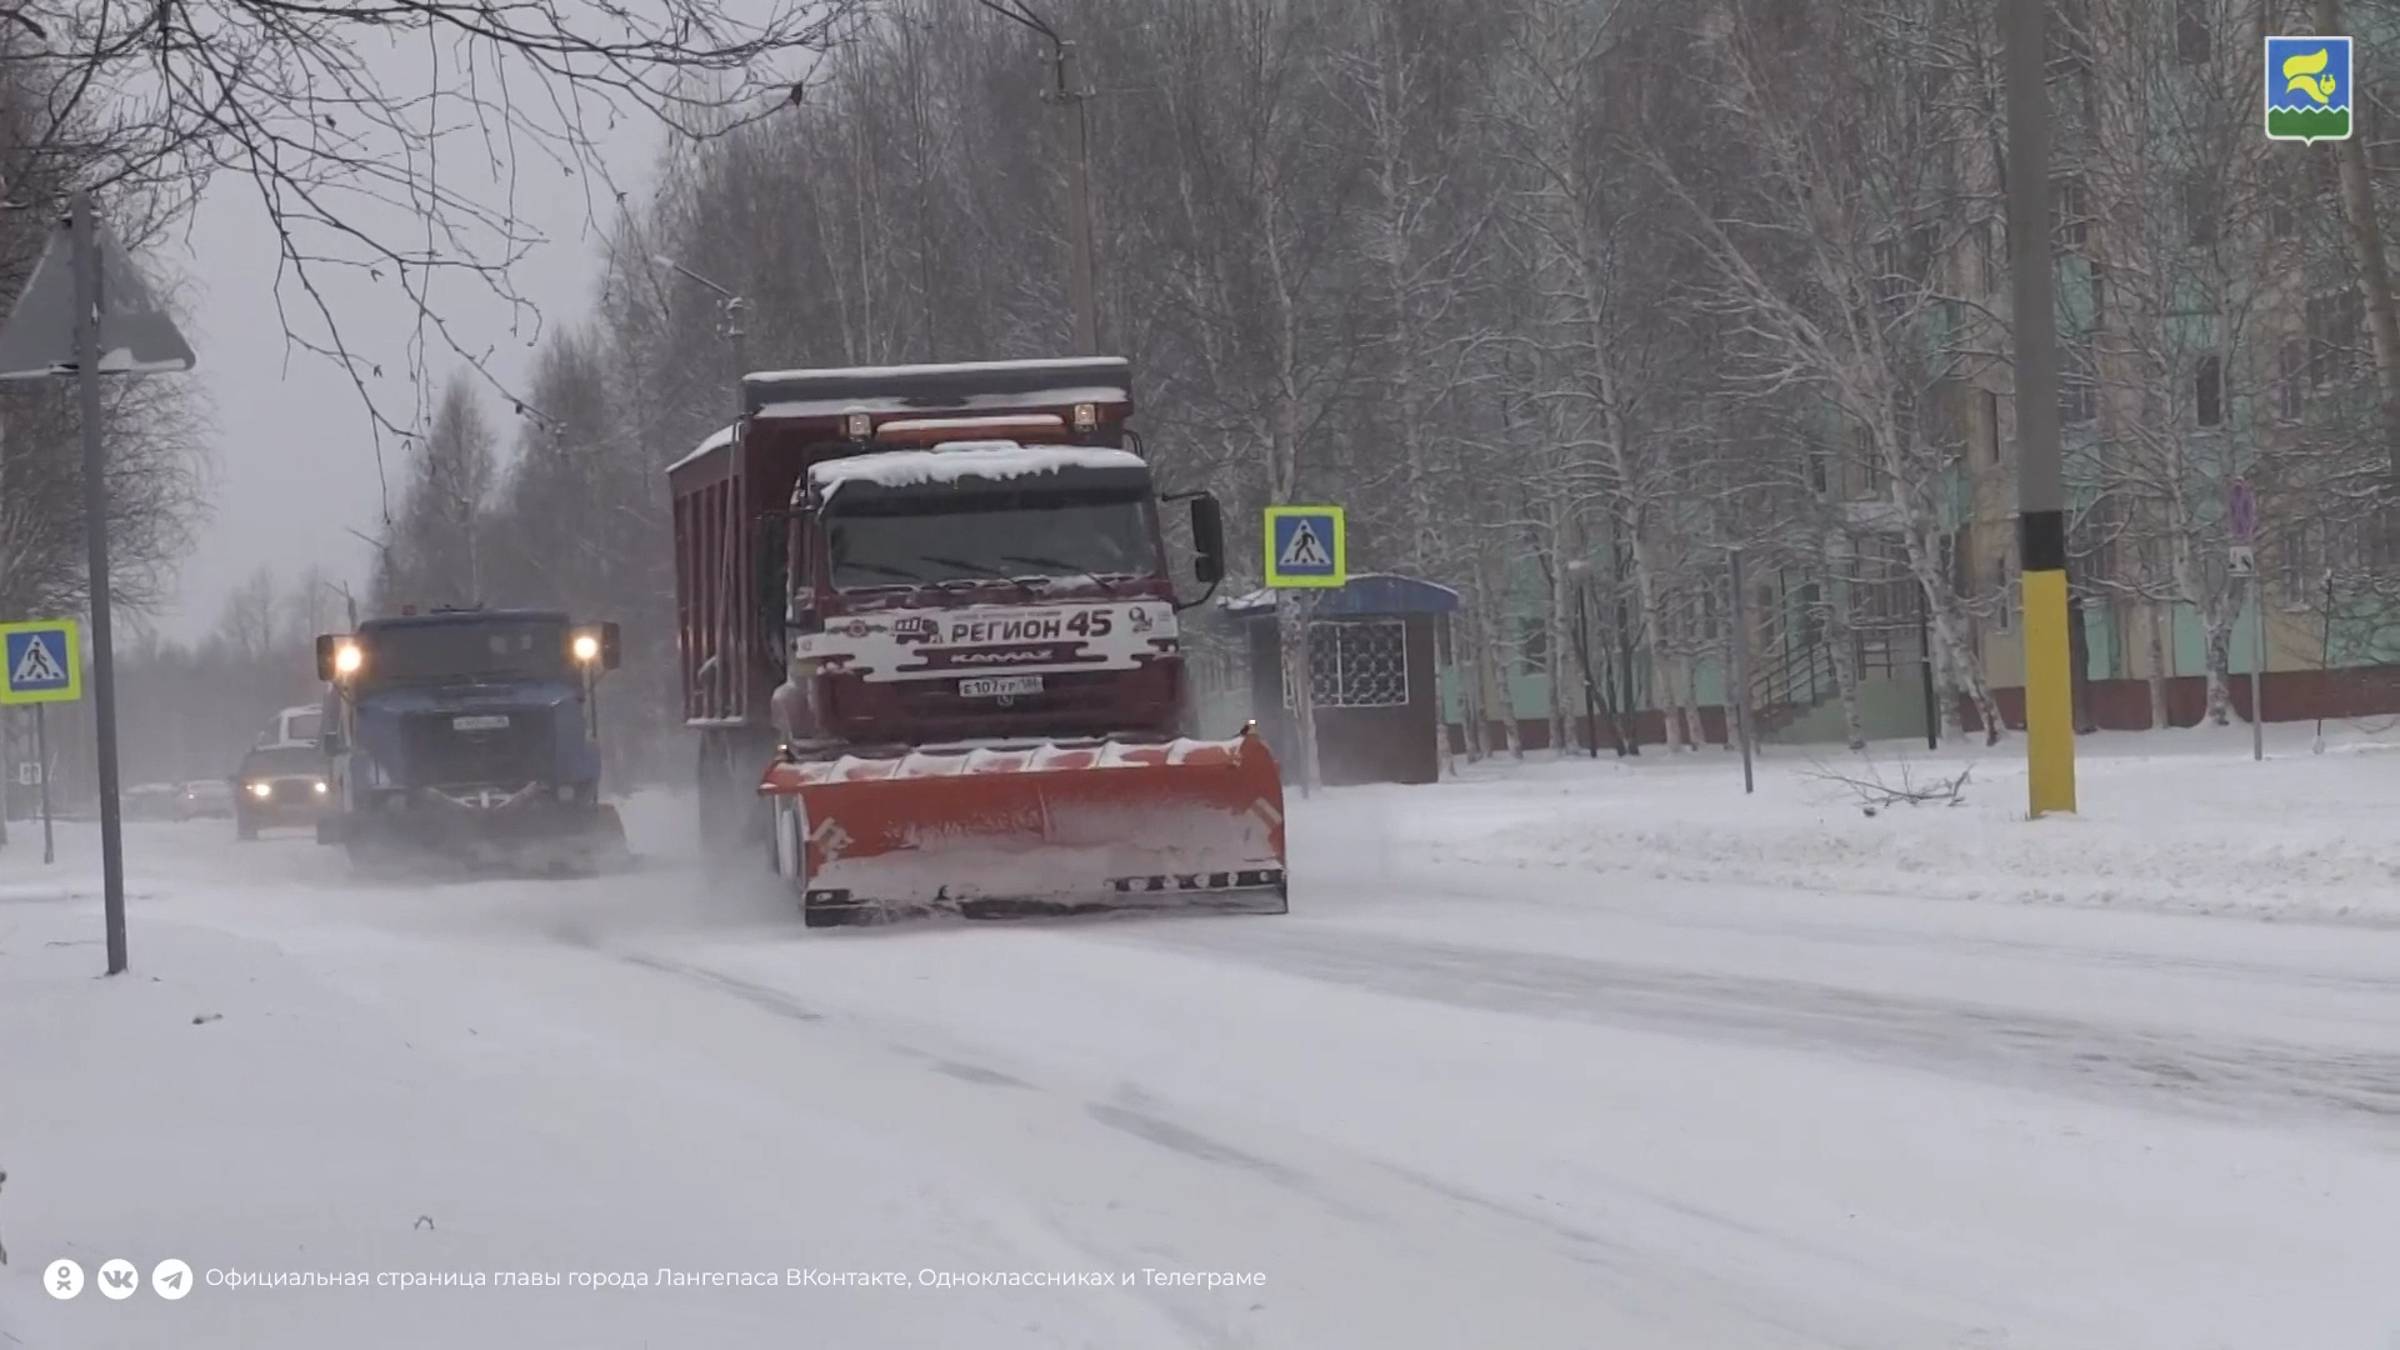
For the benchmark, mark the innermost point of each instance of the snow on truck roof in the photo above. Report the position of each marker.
(849, 374)
(722, 437)
(954, 460)
(901, 403)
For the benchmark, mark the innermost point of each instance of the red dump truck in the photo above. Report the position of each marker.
(929, 640)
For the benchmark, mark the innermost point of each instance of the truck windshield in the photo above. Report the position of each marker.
(443, 651)
(900, 541)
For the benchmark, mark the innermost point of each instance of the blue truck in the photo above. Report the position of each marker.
(468, 735)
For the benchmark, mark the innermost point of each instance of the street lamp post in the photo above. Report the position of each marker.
(1067, 91)
(2041, 490)
(735, 308)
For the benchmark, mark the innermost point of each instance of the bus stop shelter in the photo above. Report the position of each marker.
(1372, 646)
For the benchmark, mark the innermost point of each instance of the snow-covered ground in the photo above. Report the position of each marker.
(1565, 1054)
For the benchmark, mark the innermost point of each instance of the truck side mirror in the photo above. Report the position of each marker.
(612, 646)
(1208, 540)
(325, 646)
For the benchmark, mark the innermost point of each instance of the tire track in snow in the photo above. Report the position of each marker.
(1342, 1183)
(2017, 1047)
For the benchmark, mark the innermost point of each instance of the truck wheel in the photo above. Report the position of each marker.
(790, 834)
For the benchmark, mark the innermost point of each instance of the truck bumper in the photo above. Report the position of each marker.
(438, 822)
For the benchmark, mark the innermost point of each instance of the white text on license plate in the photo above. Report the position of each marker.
(1000, 686)
(490, 723)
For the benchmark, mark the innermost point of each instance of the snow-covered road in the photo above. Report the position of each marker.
(1550, 1058)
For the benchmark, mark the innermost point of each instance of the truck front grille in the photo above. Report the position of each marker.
(439, 754)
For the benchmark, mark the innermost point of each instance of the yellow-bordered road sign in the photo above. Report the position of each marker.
(40, 662)
(1306, 547)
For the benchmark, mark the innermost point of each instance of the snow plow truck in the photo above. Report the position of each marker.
(929, 641)
(468, 736)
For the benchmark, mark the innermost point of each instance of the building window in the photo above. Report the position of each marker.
(2069, 224)
(2383, 539)
(1533, 646)
(1356, 663)
(2003, 611)
(2302, 555)
(2200, 210)
(2099, 296)
(1993, 241)
(2192, 35)
(2078, 385)
(2092, 542)
(1991, 427)
(2291, 379)
(2383, 151)
(2208, 391)
(2333, 327)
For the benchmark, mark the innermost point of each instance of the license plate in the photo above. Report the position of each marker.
(478, 723)
(1000, 686)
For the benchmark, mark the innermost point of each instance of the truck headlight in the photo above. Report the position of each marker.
(348, 659)
(320, 787)
(261, 790)
(587, 648)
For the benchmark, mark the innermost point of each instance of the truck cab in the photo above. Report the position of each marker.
(295, 726)
(463, 727)
(980, 588)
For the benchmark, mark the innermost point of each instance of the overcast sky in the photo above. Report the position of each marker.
(295, 463)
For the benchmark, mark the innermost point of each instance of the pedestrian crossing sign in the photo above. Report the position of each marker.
(40, 662)
(1305, 546)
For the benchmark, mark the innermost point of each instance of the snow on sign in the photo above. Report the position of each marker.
(39, 662)
(1306, 547)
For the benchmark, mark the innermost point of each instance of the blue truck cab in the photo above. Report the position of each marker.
(467, 733)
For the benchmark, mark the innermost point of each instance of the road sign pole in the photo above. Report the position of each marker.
(95, 530)
(41, 756)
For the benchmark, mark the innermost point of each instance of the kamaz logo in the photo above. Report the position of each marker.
(915, 628)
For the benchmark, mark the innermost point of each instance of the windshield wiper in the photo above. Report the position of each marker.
(1068, 570)
(965, 566)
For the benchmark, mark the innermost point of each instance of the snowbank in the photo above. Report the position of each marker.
(2182, 821)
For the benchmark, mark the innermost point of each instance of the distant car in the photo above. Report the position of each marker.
(150, 801)
(207, 799)
(282, 785)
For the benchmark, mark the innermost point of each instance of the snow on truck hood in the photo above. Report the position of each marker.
(954, 460)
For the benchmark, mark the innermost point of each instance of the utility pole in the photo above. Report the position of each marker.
(1068, 91)
(61, 321)
(86, 232)
(2041, 490)
(737, 335)
(1072, 95)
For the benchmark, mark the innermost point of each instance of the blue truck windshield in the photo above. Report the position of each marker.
(417, 654)
(900, 542)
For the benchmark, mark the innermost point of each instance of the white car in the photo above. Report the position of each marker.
(206, 799)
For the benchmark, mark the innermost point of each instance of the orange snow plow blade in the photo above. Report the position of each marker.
(1096, 825)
